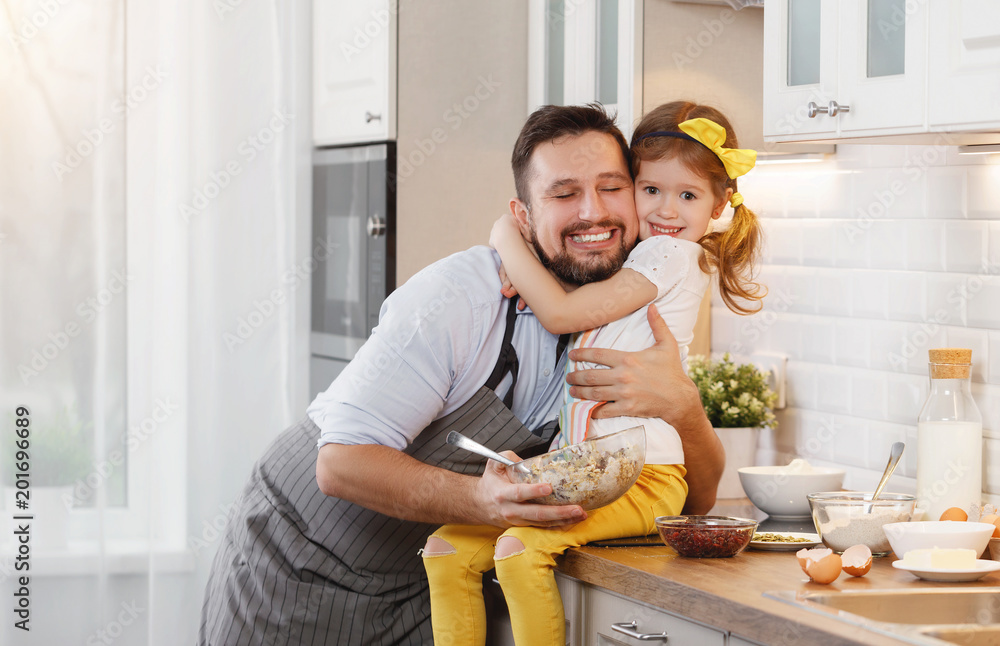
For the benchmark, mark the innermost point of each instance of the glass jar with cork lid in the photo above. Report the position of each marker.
(949, 436)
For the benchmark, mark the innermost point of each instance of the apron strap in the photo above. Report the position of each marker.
(507, 361)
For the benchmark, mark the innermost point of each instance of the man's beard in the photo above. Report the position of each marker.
(576, 271)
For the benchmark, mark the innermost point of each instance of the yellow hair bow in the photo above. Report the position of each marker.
(738, 161)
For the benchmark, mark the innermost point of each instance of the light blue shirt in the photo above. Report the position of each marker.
(436, 343)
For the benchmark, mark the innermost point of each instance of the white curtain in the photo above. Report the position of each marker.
(154, 161)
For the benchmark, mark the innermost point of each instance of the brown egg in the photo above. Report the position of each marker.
(820, 563)
(857, 560)
(954, 513)
(803, 556)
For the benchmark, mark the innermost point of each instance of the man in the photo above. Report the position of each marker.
(334, 559)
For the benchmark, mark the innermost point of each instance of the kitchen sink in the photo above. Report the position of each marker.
(970, 635)
(955, 606)
(922, 616)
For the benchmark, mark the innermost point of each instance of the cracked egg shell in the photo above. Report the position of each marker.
(857, 560)
(820, 564)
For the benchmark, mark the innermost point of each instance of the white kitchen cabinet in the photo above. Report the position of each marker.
(838, 69)
(580, 51)
(612, 619)
(964, 65)
(354, 71)
(736, 640)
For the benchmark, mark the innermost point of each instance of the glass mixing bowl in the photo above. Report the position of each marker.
(592, 473)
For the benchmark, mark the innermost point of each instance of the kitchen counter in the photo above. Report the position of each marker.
(728, 593)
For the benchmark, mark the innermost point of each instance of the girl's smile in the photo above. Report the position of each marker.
(672, 200)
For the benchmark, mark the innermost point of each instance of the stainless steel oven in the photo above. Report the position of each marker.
(354, 211)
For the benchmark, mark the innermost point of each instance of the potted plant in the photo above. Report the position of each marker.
(59, 456)
(739, 402)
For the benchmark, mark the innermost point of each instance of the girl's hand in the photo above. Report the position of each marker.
(506, 288)
(503, 229)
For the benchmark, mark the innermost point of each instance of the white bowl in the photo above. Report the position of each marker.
(782, 494)
(946, 534)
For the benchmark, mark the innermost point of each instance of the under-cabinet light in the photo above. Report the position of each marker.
(979, 149)
(791, 158)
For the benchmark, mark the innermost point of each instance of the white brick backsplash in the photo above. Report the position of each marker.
(852, 343)
(906, 394)
(887, 244)
(924, 250)
(851, 444)
(782, 242)
(966, 245)
(944, 301)
(907, 296)
(872, 258)
(818, 247)
(786, 336)
(881, 436)
(816, 435)
(869, 294)
(993, 248)
(983, 302)
(946, 192)
(800, 385)
(982, 192)
(802, 292)
(978, 341)
(851, 236)
(993, 358)
(833, 389)
(833, 287)
(887, 345)
(868, 395)
(817, 340)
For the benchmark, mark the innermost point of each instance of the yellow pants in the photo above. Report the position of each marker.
(458, 613)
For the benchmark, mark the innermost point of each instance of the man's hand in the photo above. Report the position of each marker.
(652, 383)
(390, 482)
(507, 503)
(638, 383)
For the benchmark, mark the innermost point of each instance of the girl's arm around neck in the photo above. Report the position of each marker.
(559, 311)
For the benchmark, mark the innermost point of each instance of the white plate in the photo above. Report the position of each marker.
(983, 567)
(812, 541)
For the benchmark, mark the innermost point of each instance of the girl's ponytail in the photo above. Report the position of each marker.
(733, 254)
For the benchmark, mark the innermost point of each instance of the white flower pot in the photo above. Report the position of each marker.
(741, 451)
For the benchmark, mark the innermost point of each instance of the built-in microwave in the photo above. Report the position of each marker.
(354, 213)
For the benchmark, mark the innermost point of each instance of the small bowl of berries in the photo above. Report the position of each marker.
(706, 536)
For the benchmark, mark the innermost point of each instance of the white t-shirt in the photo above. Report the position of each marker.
(672, 265)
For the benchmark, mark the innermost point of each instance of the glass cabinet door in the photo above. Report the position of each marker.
(581, 51)
(883, 66)
(800, 66)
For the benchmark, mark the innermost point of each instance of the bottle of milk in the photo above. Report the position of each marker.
(949, 436)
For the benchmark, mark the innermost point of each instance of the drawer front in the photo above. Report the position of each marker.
(604, 608)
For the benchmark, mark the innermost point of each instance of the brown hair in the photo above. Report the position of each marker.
(732, 253)
(550, 122)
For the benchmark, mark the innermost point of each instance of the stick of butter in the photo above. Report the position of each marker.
(941, 559)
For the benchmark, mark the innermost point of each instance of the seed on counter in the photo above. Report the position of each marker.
(768, 537)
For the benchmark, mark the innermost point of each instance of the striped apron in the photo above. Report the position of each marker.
(298, 567)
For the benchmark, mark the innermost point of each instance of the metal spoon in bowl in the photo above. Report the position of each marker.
(462, 442)
(894, 454)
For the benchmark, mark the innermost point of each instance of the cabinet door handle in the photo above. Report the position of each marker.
(832, 109)
(631, 630)
(375, 226)
(369, 117)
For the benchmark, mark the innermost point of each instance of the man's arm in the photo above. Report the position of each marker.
(652, 383)
(395, 484)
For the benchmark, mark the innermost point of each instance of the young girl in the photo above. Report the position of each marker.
(684, 178)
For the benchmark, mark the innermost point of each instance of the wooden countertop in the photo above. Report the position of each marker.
(728, 592)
